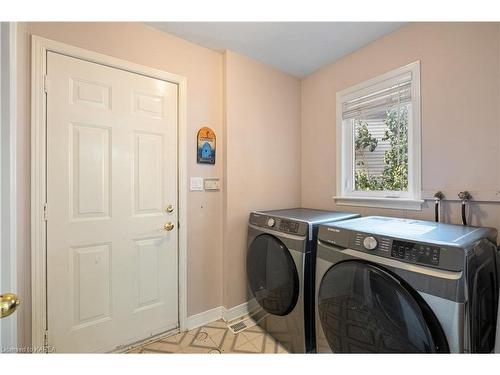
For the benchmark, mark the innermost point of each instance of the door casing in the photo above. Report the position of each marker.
(8, 190)
(40, 47)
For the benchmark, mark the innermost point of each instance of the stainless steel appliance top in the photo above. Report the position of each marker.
(417, 230)
(310, 216)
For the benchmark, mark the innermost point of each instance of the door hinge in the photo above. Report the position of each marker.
(45, 211)
(46, 341)
(46, 83)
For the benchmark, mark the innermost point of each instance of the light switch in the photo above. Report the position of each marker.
(196, 184)
(212, 183)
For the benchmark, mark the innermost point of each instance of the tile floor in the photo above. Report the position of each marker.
(214, 338)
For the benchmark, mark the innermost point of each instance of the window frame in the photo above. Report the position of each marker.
(345, 193)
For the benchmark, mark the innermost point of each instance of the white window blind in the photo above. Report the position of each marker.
(393, 93)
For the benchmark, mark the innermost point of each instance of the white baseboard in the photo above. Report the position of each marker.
(198, 320)
(235, 312)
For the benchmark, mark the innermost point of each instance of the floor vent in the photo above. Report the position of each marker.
(241, 324)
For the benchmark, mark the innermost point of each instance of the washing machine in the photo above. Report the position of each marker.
(388, 285)
(280, 272)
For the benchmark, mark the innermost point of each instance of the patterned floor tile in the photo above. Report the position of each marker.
(281, 349)
(217, 324)
(183, 339)
(214, 338)
(135, 351)
(270, 346)
(216, 334)
(161, 346)
(257, 339)
(203, 340)
(243, 345)
(195, 350)
(255, 329)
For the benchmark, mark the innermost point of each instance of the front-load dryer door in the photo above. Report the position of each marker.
(272, 275)
(363, 308)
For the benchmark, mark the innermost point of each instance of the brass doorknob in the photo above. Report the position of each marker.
(169, 208)
(168, 226)
(8, 303)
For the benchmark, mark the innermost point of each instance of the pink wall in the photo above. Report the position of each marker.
(276, 133)
(460, 118)
(203, 68)
(262, 168)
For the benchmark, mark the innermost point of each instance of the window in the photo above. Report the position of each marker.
(378, 141)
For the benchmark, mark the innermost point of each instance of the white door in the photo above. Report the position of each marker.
(111, 173)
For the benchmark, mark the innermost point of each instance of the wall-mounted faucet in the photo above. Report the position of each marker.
(438, 197)
(465, 197)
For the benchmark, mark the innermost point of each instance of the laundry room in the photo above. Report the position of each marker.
(298, 188)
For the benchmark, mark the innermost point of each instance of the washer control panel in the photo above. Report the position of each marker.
(415, 252)
(407, 250)
(410, 252)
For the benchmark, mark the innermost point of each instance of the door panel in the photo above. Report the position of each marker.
(111, 169)
(90, 152)
(148, 184)
(91, 284)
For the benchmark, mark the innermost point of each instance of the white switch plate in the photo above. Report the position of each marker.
(196, 184)
(212, 183)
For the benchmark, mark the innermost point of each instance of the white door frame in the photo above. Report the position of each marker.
(40, 47)
(8, 191)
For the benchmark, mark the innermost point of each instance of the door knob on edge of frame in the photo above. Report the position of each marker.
(169, 226)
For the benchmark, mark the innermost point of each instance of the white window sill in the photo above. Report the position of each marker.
(394, 203)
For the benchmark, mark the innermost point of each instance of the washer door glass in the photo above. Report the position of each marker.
(365, 309)
(272, 275)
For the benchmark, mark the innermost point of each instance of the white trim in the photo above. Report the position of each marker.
(38, 290)
(182, 198)
(13, 168)
(209, 316)
(344, 191)
(236, 311)
(394, 203)
(8, 220)
(40, 47)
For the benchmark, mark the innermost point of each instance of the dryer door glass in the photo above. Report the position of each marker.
(272, 275)
(365, 309)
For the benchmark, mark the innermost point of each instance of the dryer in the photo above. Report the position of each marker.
(398, 285)
(280, 272)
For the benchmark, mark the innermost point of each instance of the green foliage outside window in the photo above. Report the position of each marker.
(395, 174)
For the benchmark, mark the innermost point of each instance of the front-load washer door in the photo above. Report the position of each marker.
(363, 308)
(272, 275)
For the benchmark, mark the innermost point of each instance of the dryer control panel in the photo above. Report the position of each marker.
(289, 226)
(279, 224)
